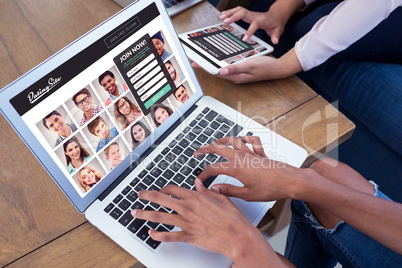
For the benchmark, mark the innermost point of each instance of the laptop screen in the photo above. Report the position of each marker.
(101, 108)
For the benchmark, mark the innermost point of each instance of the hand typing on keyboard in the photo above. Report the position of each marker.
(175, 165)
(250, 167)
(201, 214)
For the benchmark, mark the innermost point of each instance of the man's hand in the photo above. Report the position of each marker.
(210, 221)
(263, 179)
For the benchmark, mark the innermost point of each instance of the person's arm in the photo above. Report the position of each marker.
(348, 22)
(376, 217)
(266, 180)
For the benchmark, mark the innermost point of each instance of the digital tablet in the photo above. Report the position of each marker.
(220, 45)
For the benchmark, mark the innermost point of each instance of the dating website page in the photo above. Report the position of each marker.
(91, 112)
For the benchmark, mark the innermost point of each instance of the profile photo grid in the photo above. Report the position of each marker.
(100, 123)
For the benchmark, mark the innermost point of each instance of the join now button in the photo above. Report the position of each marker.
(157, 96)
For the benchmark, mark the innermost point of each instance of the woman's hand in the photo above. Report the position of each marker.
(260, 68)
(263, 179)
(272, 22)
(251, 70)
(210, 221)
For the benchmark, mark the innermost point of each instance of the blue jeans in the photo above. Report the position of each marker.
(309, 244)
(370, 95)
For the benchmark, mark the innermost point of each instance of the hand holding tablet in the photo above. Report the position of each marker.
(217, 46)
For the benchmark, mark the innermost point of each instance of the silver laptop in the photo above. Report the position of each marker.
(120, 110)
(173, 7)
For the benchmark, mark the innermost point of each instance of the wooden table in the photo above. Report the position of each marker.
(39, 226)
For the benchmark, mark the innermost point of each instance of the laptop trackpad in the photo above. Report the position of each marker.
(251, 210)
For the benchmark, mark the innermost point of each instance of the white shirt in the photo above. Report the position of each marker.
(348, 22)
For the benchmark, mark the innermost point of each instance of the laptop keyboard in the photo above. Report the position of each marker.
(170, 3)
(175, 165)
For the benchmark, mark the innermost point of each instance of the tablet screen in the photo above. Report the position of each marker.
(222, 44)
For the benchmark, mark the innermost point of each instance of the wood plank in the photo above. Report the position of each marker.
(201, 15)
(316, 126)
(19, 54)
(84, 246)
(261, 101)
(34, 209)
(33, 30)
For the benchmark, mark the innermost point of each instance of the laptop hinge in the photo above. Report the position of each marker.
(146, 153)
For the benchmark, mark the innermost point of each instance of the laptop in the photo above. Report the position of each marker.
(120, 110)
(173, 7)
